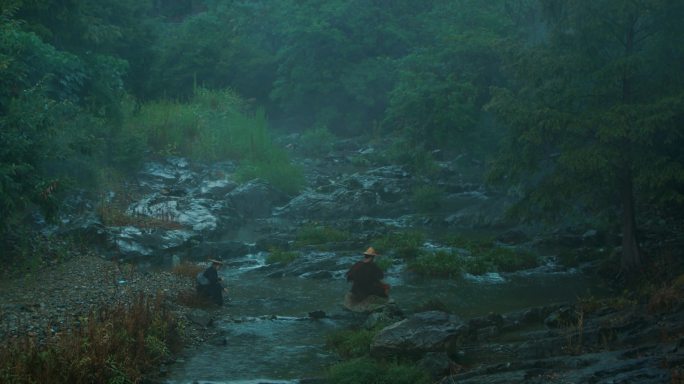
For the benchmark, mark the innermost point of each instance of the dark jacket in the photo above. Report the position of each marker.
(366, 280)
(213, 290)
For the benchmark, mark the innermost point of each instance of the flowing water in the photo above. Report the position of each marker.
(271, 339)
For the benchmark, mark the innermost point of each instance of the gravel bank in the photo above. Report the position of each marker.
(45, 301)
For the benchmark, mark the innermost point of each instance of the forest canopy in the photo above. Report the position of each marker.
(577, 106)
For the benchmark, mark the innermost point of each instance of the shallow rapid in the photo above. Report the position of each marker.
(270, 337)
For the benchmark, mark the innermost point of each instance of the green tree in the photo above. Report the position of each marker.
(336, 60)
(106, 35)
(42, 126)
(595, 111)
(216, 48)
(444, 82)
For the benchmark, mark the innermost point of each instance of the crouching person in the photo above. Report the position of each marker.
(209, 283)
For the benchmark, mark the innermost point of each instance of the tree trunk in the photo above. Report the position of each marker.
(631, 253)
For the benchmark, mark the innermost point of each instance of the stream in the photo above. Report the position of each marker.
(271, 339)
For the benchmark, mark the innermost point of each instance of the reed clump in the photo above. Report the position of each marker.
(119, 343)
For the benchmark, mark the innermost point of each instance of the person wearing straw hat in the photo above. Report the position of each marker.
(366, 277)
(209, 283)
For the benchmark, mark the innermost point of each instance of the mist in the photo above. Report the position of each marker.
(513, 167)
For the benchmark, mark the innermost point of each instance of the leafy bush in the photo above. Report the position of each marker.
(384, 262)
(312, 234)
(351, 343)
(417, 159)
(405, 245)
(485, 256)
(427, 198)
(452, 264)
(317, 142)
(474, 243)
(441, 263)
(280, 256)
(510, 260)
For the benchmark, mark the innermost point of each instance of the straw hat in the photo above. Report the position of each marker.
(214, 261)
(370, 252)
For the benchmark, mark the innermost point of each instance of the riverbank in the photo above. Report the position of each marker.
(55, 297)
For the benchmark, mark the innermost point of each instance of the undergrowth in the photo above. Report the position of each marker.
(279, 256)
(359, 367)
(403, 244)
(119, 343)
(213, 126)
(319, 235)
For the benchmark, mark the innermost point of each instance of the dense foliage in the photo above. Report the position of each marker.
(578, 104)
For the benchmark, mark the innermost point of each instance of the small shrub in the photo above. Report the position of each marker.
(406, 245)
(359, 370)
(486, 256)
(398, 373)
(511, 260)
(317, 142)
(351, 343)
(311, 234)
(280, 256)
(474, 243)
(417, 159)
(360, 161)
(478, 266)
(440, 263)
(427, 199)
(384, 262)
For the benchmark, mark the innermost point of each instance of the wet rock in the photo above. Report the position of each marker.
(255, 199)
(437, 364)
(201, 317)
(563, 317)
(388, 314)
(431, 331)
(317, 314)
(318, 275)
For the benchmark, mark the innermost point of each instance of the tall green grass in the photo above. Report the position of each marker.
(215, 125)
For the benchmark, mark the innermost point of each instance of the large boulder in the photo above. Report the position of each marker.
(255, 199)
(432, 331)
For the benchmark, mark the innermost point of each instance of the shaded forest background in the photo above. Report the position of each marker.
(576, 107)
